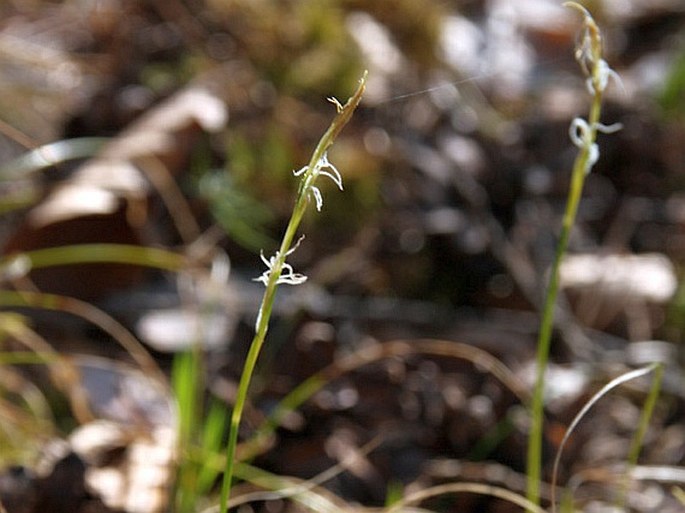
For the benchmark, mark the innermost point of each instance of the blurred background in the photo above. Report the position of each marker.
(456, 168)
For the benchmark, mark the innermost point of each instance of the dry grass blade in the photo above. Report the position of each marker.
(478, 488)
(623, 378)
(170, 192)
(612, 477)
(488, 472)
(62, 371)
(306, 492)
(27, 421)
(92, 314)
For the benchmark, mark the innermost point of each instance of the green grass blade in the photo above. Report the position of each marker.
(212, 438)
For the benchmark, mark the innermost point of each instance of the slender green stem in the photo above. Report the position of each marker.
(275, 270)
(546, 328)
(187, 385)
(589, 55)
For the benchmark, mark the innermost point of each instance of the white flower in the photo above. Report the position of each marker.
(588, 54)
(602, 74)
(581, 136)
(288, 275)
(325, 168)
(322, 167)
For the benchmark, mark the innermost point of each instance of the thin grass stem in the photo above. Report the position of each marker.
(58, 303)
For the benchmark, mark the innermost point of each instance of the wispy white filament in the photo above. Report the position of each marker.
(322, 167)
(288, 275)
(581, 136)
(602, 74)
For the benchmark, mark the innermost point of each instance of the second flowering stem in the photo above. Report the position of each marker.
(583, 135)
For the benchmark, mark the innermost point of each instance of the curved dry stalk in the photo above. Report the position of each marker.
(297, 487)
(37, 416)
(285, 487)
(623, 378)
(307, 493)
(488, 472)
(477, 488)
(62, 371)
(614, 476)
(173, 198)
(92, 314)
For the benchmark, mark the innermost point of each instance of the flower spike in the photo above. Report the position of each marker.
(278, 271)
(322, 167)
